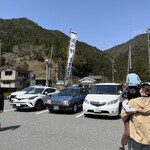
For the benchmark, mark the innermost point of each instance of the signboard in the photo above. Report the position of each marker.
(71, 54)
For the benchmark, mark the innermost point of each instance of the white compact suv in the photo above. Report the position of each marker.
(35, 97)
(14, 94)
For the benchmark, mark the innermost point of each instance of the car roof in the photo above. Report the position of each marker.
(40, 86)
(108, 84)
(73, 87)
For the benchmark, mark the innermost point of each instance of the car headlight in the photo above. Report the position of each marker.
(113, 102)
(67, 103)
(30, 98)
(49, 102)
(86, 101)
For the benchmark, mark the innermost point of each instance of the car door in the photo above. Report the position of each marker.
(83, 93)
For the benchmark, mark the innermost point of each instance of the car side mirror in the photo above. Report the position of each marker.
(119, 92)
(46, 93)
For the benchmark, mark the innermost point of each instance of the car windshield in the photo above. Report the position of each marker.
(34, 90)
(26, 89)
(104, 89)
(69, 92)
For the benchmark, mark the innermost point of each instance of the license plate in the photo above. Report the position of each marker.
(18, 105)
(56, 107)
(97, 110)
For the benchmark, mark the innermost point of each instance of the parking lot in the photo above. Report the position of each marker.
(41, 130)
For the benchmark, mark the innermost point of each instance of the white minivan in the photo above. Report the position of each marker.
(104, 99)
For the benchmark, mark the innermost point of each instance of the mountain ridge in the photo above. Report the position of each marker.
(27, 41)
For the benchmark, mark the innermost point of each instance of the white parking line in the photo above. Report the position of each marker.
(44, 111)
(80, 115)
(9, 110)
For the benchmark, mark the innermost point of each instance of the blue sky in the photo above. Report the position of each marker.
(100, 23)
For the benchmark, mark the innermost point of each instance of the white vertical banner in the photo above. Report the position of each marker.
(73, 38)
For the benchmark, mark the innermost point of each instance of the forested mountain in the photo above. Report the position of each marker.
(25, 42)
(139, 55)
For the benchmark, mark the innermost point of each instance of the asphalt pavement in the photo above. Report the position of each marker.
(41, 130)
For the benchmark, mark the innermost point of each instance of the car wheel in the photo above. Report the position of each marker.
(51, 111)
(119, 111)
(86, 115)
(120, 107)
(38, 105)
(75, 108)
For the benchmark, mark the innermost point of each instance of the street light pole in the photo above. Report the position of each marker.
(47, 70)
(50, 62)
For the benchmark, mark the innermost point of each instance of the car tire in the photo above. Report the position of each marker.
(51, 111)
(119, 110)
(86, 115)
(39, 105)
(120, 107)
(75, 108)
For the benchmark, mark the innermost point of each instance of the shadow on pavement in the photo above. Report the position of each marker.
(9, 128)
(103, 117)
(60, 112)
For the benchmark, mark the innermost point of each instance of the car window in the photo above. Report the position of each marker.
(26, 89)
(69, 92)
(34, 90)
(119, 88)
(49, 91)
(104, 89)
(84, 92)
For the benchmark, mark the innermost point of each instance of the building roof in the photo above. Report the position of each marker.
(87, 80)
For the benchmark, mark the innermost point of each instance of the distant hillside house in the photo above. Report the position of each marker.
(13, 79)
(89, 81)
(60, 82)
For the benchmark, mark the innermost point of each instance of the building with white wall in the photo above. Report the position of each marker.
(13, 78)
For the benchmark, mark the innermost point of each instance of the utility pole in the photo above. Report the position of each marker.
(0, 54)
(148, 40)
(113, 69)
(129, 60)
